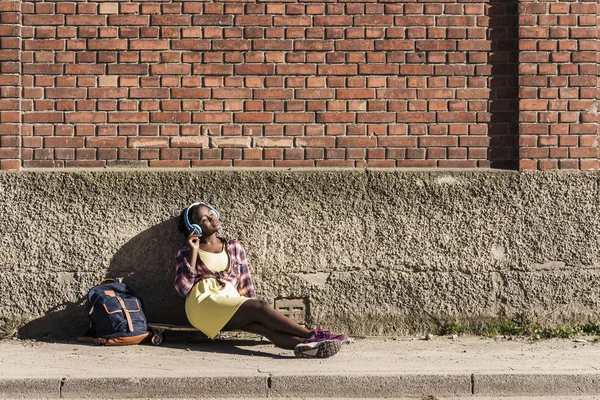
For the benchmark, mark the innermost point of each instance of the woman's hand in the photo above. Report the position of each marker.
(193, 242)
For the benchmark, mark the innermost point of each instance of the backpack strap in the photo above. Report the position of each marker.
(126, 312)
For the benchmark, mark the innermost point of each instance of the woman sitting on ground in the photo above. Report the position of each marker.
(212, 273)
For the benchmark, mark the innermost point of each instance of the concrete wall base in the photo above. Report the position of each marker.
(370, 252)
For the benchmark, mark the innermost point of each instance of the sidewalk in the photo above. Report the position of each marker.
(372, 367)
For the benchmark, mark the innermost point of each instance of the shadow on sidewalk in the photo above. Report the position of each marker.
(227, 346)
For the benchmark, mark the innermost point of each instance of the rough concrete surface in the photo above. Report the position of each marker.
(468, 367)
(537, 384)
(373, 252)
(30, 388)
(157, 387)
(370, 385)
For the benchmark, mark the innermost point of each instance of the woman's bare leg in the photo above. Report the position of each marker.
(252, 311)
(282, 340)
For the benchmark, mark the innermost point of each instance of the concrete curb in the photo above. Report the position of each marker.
(536, 384)
(193, 387)
(370, 386)
(28, 388)
(317, 385)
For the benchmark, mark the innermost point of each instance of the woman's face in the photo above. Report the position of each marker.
(207, 220)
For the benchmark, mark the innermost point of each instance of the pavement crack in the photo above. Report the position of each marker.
(60, 387)
(472, 384)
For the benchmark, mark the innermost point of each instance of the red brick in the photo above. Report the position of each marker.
(88, 20)
(62, 142)
(43, 20)
(129, 20)
(273, 142)
(414, 21)
(212, 69)
(148, 93)
(6, 165)
(190, 44)
(268, 45)
(212, 20)
(212, 118)
(149, 44)
(394, 45)
(396, 141)
(140, 142)
(315, 142)
(250, 117)
(415, 117)
(294, 163)
(294, 117)
(107, 44)
(170, 117)
(329, 20)
(130, 117)
(361, 142)
(378, 69)
(273, 93)
(188, 93)
(232, 93)
(237, 45)
(187, 142)
(238, 142)
(179, 20)
(292, 21)
(106, 142)
(85, 117)
(416, 69)
(67, 93)
(42, 117)
(255, 69)
(315, 93)
(290, 69)
(337, 70)
(334, 117)
(396, 94)
(354, 45)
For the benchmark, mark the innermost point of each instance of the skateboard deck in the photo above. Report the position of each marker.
(158, 331)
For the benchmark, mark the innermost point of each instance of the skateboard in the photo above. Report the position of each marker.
(158, 331)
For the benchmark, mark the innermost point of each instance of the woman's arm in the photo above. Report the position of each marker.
(245, 286)
(185, 272)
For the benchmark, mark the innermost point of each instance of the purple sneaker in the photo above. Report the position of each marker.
(321, 344)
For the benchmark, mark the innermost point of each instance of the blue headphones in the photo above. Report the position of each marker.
(194, 228)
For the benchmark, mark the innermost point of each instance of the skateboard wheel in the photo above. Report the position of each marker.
(157, 339)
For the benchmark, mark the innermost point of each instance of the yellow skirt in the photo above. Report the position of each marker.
(209, 308)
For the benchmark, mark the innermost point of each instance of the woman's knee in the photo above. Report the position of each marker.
(259, 305)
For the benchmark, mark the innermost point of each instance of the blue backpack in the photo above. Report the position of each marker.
(116, 315)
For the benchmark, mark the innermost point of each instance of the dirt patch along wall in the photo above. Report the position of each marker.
(369, 252)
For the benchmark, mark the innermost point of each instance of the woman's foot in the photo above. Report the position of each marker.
(321, 344)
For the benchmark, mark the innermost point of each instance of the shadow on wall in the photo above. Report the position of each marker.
(147, 265)
(503, 83)
(65, 320)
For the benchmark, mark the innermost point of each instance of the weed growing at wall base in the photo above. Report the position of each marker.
(9, 327)
(520, 326)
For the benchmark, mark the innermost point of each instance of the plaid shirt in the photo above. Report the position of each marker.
(237, 273)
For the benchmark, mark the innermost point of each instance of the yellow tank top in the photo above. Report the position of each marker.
(215, 262)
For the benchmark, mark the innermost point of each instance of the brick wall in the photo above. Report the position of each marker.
(161, 83)
(558, 80)
(10, 116)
